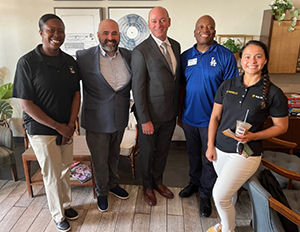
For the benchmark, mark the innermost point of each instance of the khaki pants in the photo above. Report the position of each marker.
(54, 162)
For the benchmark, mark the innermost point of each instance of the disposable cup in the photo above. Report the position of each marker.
(242, 127)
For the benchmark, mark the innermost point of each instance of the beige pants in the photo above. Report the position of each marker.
(54, 162)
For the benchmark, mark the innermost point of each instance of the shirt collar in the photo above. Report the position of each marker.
(159, 42)
(104, 53)
(39, 57)
(212, 47)
(239, 82)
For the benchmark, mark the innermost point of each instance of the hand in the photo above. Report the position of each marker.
(245, 138)
(211, 154)
(65, 130)
(65, 141)
(148, 128)
(72, 125)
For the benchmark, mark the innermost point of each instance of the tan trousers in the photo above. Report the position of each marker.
(54, 162)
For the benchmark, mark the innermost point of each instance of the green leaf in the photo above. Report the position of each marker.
(282, 17)
(6, 91)
(6, 110)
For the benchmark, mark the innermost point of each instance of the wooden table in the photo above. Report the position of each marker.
(81, 153)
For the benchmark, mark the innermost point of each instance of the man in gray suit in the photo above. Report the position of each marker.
(155, 84)
(106, 77)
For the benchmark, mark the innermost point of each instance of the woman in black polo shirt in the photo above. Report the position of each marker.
(251, 92)
(47, 85)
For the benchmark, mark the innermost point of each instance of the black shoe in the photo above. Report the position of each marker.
(102, 203)
(189, 190)
(205, 207)
(63, 226)
(119, 192)
(71, 214)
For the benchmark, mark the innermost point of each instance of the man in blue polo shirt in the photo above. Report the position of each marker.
(204, 67)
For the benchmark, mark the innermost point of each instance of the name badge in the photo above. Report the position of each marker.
(192, 62)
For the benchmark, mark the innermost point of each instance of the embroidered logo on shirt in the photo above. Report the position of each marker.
(213, 62)
(258, 97)
(231, 92)
(72, 69)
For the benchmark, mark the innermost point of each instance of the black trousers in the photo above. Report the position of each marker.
(202, 172)
(154, 150)
(105, 152)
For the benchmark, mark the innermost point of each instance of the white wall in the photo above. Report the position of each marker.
(19, 25)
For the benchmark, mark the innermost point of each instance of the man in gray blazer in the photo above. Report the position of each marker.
(106, 77)
(155, 83)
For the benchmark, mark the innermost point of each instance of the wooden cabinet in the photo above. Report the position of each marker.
(283, 45)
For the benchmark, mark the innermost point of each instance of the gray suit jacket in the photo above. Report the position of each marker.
(155, 88)
(104, 110)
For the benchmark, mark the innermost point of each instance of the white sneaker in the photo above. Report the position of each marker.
(215, 228)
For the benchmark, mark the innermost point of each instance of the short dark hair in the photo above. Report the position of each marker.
(47, 17)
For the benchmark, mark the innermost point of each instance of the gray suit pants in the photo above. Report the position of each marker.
(105, 151)
(154, 150)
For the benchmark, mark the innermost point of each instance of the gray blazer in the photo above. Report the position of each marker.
(155, 88)
(104, 110)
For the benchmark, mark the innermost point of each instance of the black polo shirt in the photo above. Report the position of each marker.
(236, 98)
(50, 82)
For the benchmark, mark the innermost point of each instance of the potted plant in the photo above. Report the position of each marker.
(279, 9)
(6, 109)
(234, 46)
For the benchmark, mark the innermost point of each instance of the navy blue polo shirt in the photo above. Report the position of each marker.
(202, 73)
(50, 82)
(236, 98)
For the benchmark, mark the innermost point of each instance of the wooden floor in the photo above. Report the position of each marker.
(18, 212)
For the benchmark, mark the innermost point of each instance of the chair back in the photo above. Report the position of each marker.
(6, 137)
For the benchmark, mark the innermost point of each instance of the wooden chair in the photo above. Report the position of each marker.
(81, 153)
(265, 208)
(130, 146)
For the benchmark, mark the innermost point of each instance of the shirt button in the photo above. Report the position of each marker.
(245, 90)
(243, 95)
(240, 102)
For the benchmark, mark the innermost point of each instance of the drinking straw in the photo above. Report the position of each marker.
(247, 112)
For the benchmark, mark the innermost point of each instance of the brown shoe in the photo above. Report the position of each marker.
(164, 191)
(149, 197)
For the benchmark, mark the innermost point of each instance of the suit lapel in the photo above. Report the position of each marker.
(176, 52)
(96, 60)
(154, 47)
(126, 60)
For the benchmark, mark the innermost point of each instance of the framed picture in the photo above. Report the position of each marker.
(133, 24)
(84, 0)
(81, 27)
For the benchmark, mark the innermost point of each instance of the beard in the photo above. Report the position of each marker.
(109, 48)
